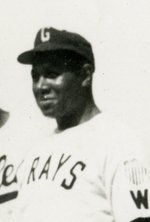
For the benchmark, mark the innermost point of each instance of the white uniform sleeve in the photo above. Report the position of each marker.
(127, 175)
(131, 191)
(128, 179)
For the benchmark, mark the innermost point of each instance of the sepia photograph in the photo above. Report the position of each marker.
(74, 111)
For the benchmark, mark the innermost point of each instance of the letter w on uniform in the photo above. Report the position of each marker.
(138, 173)
(140, 199)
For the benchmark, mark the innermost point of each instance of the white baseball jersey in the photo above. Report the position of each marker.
(9, 167)
(93, 172)
(14, 144)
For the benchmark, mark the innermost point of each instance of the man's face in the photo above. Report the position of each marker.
(58, 91)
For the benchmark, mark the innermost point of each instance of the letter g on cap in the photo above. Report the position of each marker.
(45, 34)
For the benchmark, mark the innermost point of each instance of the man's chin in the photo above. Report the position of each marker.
(49, 113)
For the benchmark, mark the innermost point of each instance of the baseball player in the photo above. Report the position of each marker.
(9, 166)
(8, 178)
(92, 169)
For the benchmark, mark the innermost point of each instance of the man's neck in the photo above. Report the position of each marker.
(77, 118)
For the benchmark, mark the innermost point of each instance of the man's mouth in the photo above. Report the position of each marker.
(46, 99)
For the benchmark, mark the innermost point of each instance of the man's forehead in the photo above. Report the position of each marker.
(60, 60)
(51, 58)
(48, 66)
(57, 65)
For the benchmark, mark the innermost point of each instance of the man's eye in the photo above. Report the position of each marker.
(51, 75)
(35, 76)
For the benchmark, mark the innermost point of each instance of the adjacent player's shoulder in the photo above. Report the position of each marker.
(4, 115)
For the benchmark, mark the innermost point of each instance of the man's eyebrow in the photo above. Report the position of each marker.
(33, 70)
(52, 69)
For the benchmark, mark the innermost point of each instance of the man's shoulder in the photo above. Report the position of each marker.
(107, 124)
(117, 136)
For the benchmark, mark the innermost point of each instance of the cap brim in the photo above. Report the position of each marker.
(26, 57)
(29, 56)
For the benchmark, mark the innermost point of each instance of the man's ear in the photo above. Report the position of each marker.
(87, 74)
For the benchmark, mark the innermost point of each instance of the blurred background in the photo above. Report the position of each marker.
(120, 35)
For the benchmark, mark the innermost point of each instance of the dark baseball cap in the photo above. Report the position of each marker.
(53, 40)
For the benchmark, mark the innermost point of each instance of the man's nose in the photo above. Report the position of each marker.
(41, 84)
